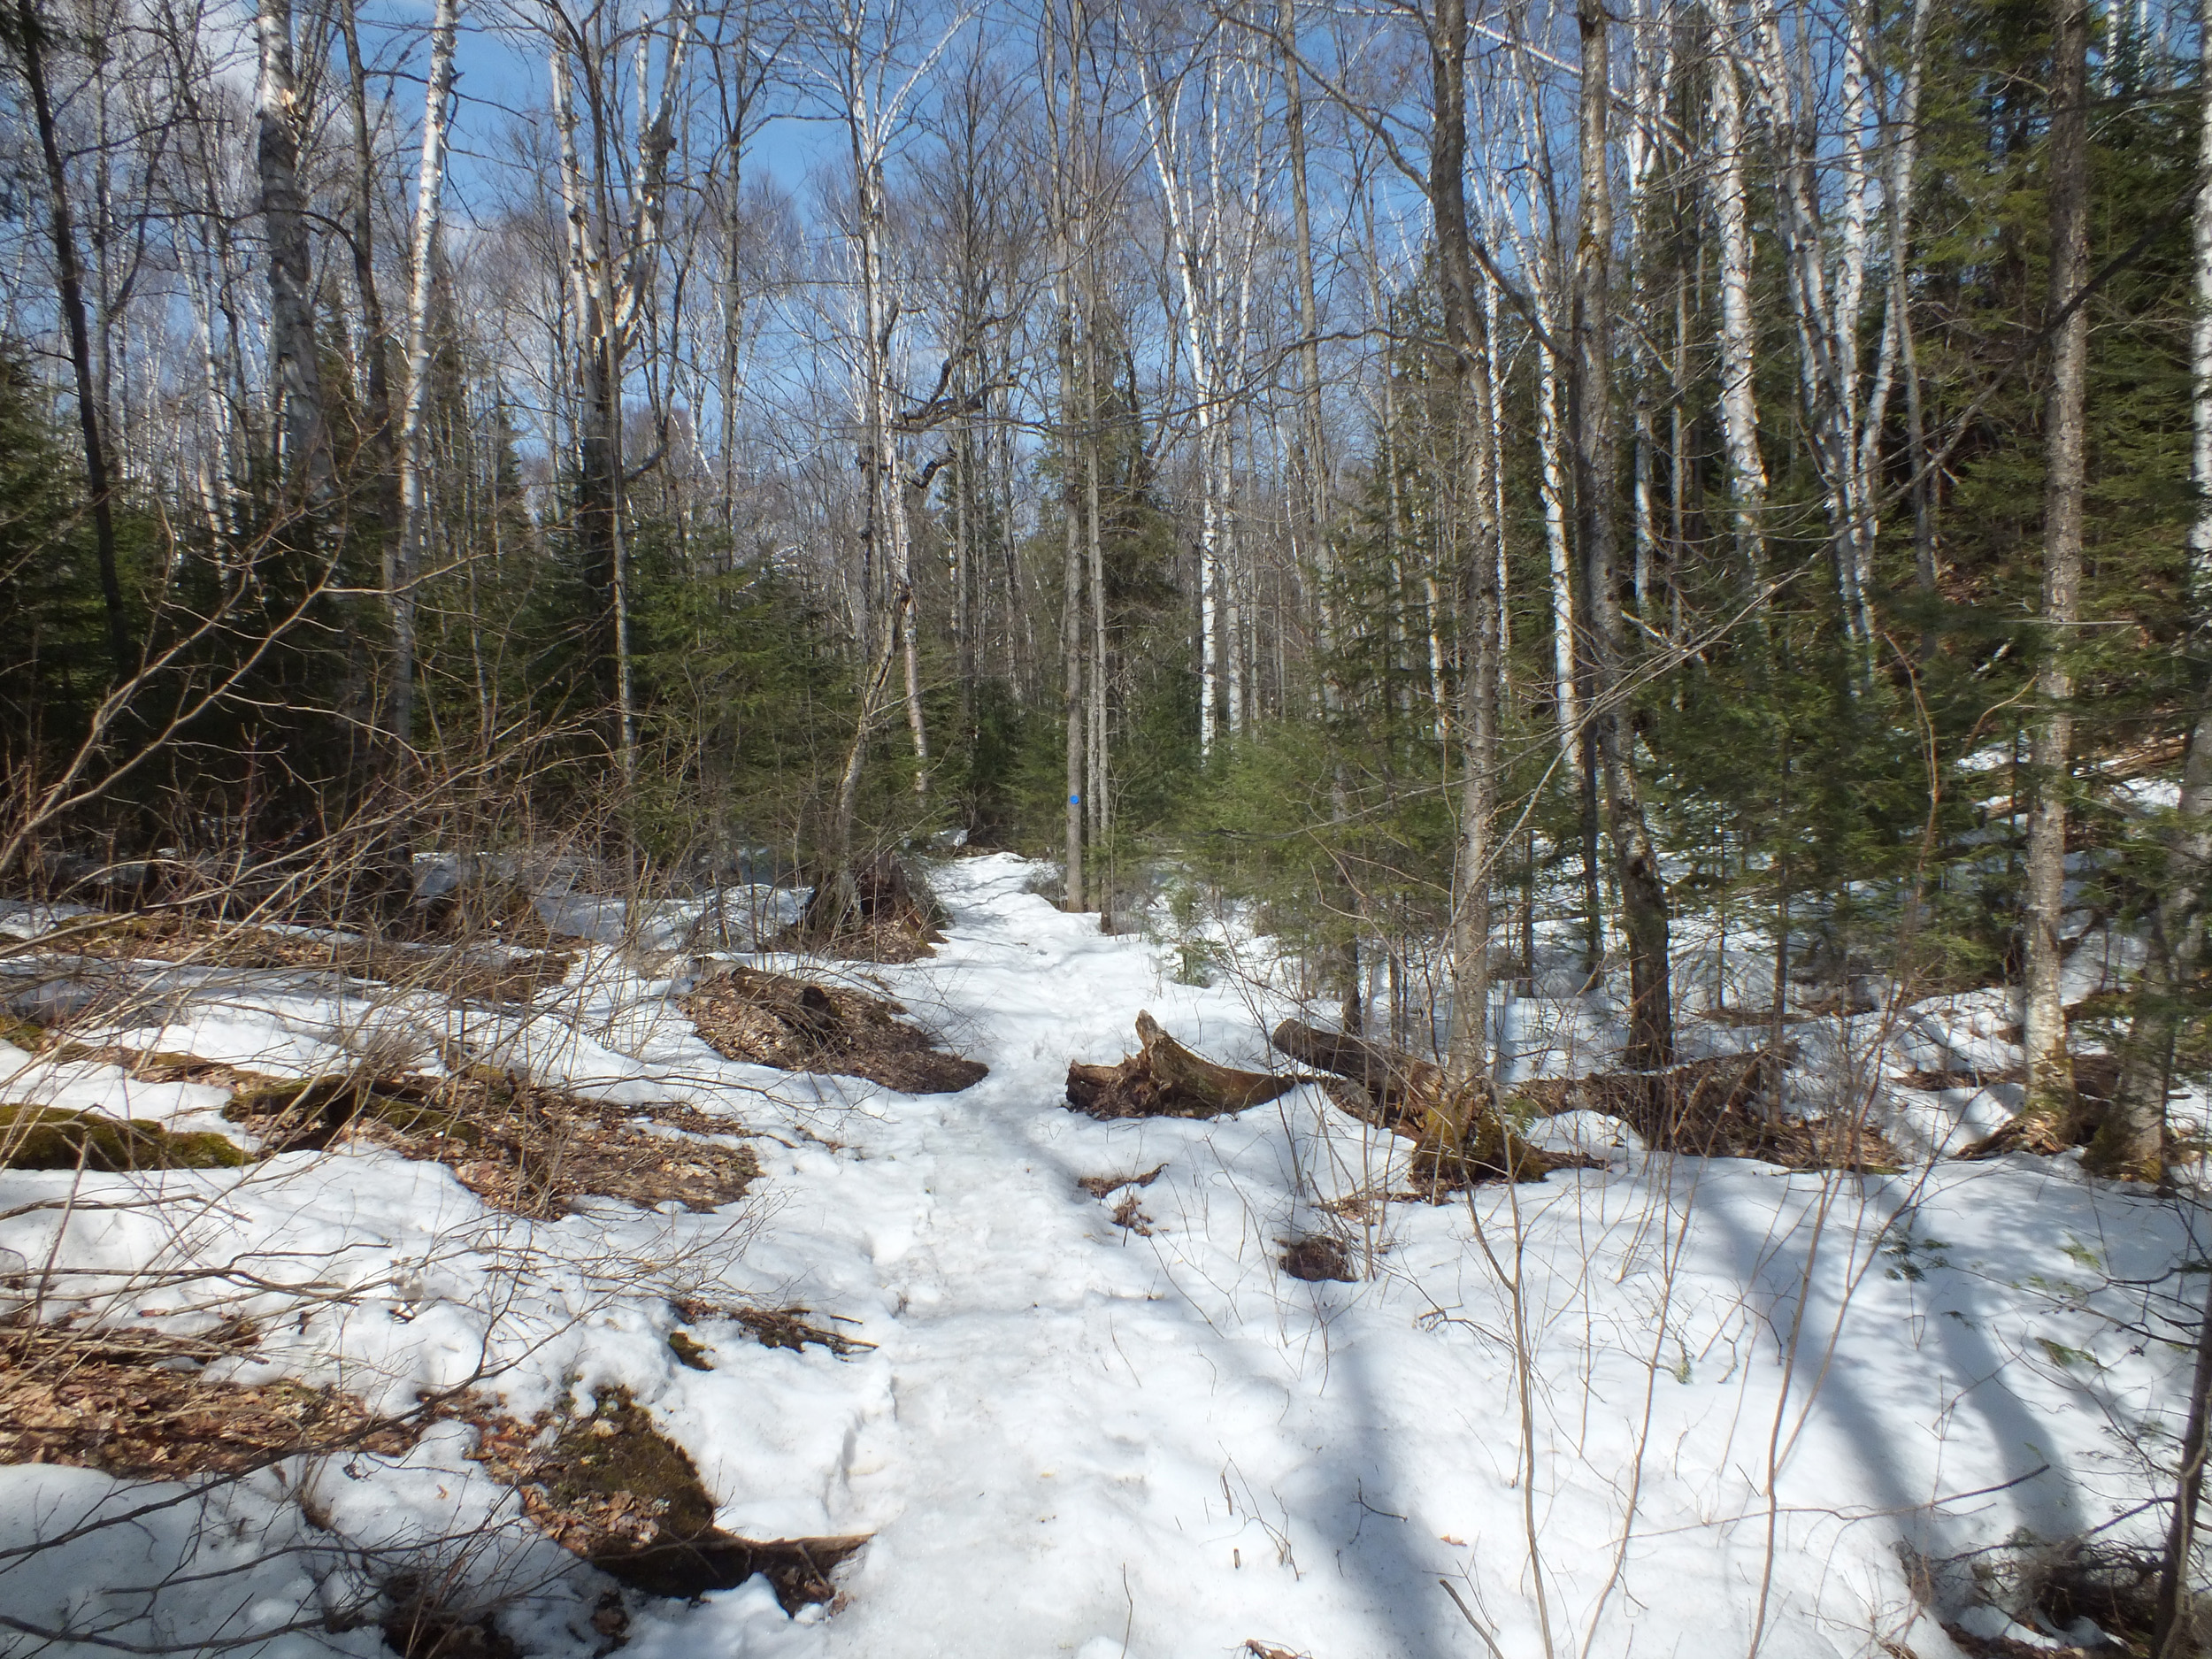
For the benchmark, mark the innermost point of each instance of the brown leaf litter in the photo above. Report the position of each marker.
(518, 1145)
(450, 969)
(137, 1404)
(796, 1025)
(772, 1327)
(613, 1489)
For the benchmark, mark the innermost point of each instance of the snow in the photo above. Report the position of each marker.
(1670, 1405)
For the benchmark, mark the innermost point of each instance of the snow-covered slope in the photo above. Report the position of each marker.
(1668, 1406)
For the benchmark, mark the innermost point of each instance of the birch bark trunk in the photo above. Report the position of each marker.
(429, 204)
(1738, 334)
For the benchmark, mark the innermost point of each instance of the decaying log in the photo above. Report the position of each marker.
(1462, 1137)
(1165, 1080)
(1391, 1089)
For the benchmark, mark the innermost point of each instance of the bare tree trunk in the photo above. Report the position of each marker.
(1739, 336)
(376, 341)
(1643, 895)
(71, 284)
(1468, 369)
(292, 346)
(429, 200)
(2050, 1064)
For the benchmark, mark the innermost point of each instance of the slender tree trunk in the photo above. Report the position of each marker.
(1469, 413)
(1739, 336)
(429, 201)
(2050, 1064)
(1643, 895)
(121, 658)
(292, 345)
(376, 341)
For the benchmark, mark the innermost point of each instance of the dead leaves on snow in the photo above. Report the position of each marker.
(794, 1025)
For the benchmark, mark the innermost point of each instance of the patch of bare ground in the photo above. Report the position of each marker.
(1717, 1108)
(617, 1492)
(796, 1025)
(870, 910)
(1101, 1186)
(138, 1405)
(516, 1145)
(1318, 1258)
(514, 970)
(772, 1327)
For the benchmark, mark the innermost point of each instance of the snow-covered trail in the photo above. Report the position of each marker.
(1668, 1406)
(1074, 1438)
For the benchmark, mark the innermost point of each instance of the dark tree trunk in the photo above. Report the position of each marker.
(71, 283)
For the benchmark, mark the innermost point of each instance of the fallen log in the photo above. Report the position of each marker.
(1165, 1080)
(1396, 1086)
(1461, 1136)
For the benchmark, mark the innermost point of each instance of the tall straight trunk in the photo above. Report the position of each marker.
(1067, 193)
(429, 202)
(1738, 334)
(1072, 705)
(376, 341)
(2049, 1064)
(1196, 284)
(1643, 895)
(2131, 1140)
(1467, 369)
(292, 348)
(1100, 806)
(1552, 485)
(597, 389)
(70, 282)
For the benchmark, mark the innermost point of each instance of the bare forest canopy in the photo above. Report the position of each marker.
(1425, 466)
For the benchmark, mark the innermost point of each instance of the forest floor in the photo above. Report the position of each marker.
(1078, 1406)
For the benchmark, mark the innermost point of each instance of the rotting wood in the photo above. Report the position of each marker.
(1165, 1080)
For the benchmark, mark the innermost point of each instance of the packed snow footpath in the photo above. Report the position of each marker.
(1669, 1406)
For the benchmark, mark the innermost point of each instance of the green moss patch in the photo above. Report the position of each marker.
(50, 1138)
